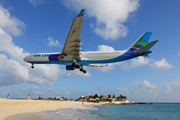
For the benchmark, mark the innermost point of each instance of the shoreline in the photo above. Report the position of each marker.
(121, 103)
(9, 107)
(35, 115)
(76, 112)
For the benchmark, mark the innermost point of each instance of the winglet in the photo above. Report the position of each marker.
(81, 13)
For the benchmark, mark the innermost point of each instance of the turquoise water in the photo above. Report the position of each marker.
(158, 111)
(163, 111)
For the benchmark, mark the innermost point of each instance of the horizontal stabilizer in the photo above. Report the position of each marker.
(146, 48)
(145, 55)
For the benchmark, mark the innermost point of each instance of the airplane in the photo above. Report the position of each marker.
(74, 59)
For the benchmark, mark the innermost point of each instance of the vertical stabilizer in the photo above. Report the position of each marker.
(141, 41)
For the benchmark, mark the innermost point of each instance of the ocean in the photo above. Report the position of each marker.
(156, 111)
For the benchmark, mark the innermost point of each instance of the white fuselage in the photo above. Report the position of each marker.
(90, 57)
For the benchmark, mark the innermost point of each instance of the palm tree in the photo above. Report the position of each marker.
(113, 96)
(124, 98)
(118, 98)
(96, 96)
(121, 97)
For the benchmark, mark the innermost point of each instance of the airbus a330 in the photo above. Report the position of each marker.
(73, 58)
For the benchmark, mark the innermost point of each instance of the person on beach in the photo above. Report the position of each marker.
(8, 96)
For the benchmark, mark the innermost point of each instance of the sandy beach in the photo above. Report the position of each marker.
(10, 107)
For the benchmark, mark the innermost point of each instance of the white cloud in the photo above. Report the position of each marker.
(174, 86)
(8, 46)
(145, 92)
(142, 92)
(95, 90)
(147, 85)
(36, 2)
(123, 91)
(134, 63)
(109, 14)
(162, 64)
(105, 48)
(111, 66)
(34, 92)
(77, 73)
(53, 43)
(17, 71)
(10, 24)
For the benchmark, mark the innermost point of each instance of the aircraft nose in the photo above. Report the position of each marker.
(25, 59)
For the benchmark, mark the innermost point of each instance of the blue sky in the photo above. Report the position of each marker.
(37, 26)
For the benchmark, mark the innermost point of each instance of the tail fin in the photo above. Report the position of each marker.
(141, 41)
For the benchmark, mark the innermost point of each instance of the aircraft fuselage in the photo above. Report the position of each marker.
(89, 57)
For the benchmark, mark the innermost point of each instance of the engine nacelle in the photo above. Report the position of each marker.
(56, 57)
(70, 67)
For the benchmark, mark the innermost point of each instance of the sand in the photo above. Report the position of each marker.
(24, 116)
(10, 107)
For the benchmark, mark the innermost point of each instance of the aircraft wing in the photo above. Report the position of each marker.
(72, 45)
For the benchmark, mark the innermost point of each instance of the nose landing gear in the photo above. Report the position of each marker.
(32, 66)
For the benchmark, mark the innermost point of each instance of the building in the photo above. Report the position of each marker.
(83, 98)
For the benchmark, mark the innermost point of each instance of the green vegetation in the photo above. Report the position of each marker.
(121, 98)
(114, 96)
(96, 96)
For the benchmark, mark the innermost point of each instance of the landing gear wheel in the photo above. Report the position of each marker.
(84, 71)
(32, 66)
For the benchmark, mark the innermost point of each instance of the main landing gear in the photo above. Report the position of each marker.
(32, 66)
(82, 70)
(74, 64)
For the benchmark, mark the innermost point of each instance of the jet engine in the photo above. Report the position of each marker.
(56, 57)
(70, 67)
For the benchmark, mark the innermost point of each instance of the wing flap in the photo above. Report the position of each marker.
(93, 65)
